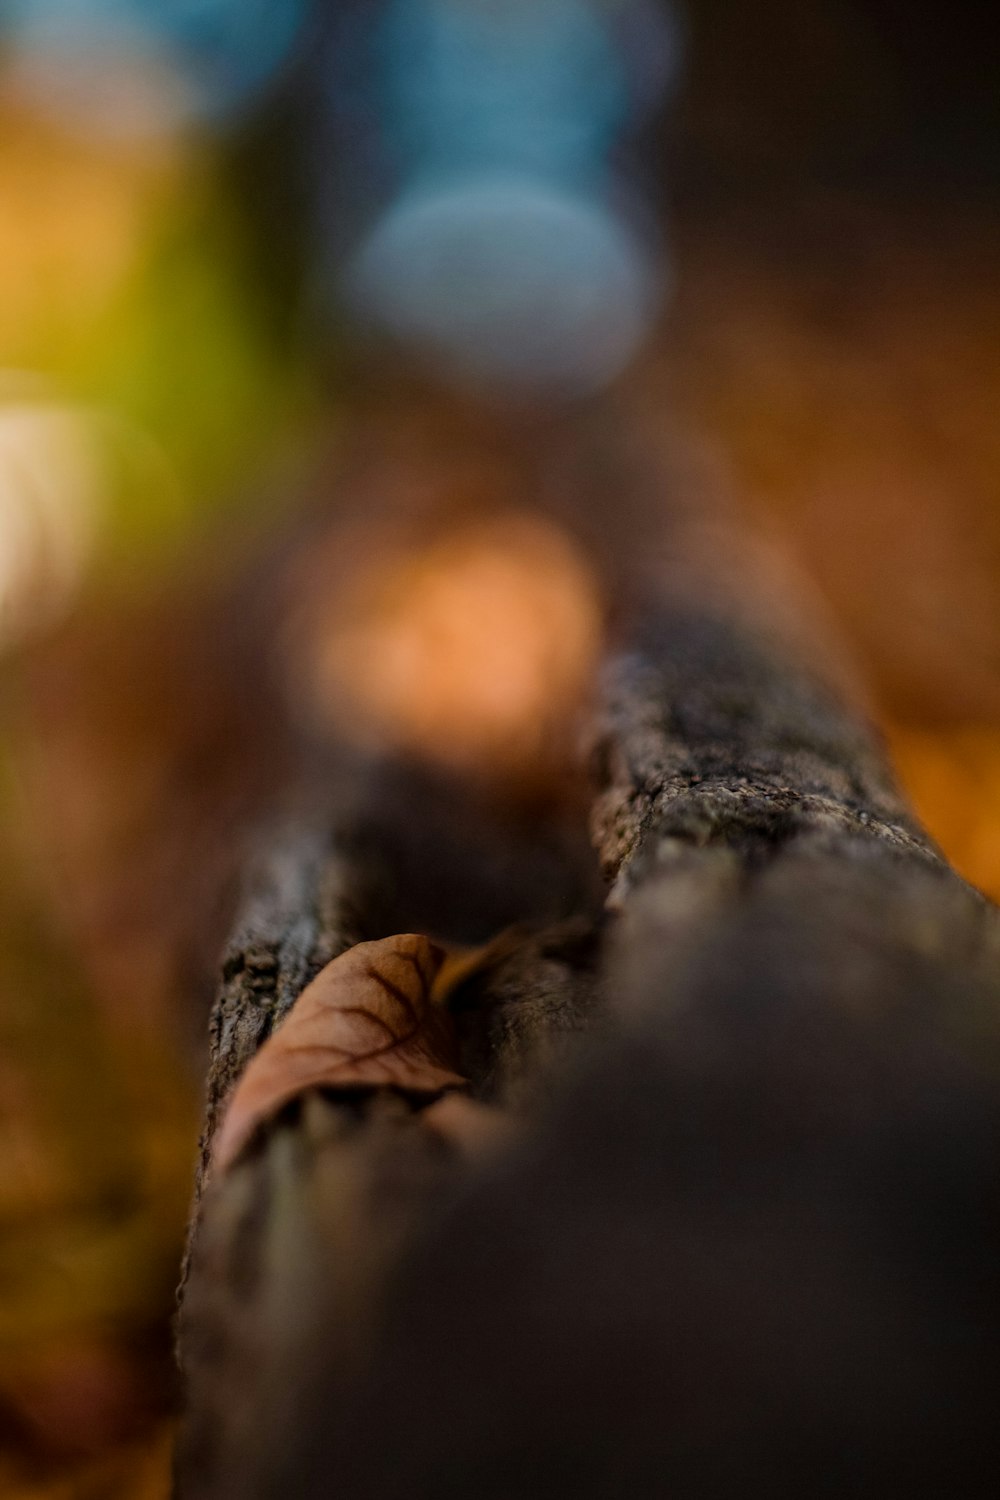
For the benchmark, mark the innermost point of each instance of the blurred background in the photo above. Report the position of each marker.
(276, 279)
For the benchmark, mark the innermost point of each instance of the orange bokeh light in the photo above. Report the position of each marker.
(473, 649)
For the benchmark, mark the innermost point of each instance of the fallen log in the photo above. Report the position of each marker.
(716, 1213)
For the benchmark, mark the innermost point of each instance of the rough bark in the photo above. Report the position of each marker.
(743, 1238)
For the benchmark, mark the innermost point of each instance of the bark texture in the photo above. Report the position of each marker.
(742, 1237)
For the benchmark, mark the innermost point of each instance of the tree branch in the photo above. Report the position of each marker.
(741, 1241)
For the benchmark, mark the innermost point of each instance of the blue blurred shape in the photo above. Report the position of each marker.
(87, 54)
(509, 252)
(470, 85)
(508, 282)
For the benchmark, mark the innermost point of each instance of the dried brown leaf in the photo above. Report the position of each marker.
(370, 1018)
